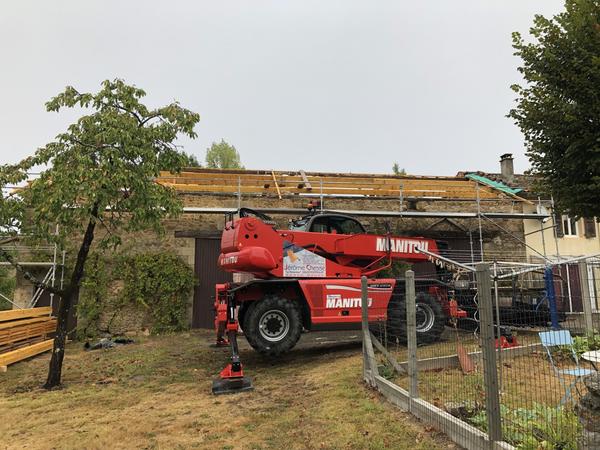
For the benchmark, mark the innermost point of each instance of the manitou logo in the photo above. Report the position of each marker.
(400, 245)
(229, 260)
(336, 301)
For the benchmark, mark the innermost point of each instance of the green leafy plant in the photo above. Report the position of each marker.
(160, 282)
(541, 427)
(386, 370)
(7, 286)
(93, 293)
(581, 344)
(157, 283)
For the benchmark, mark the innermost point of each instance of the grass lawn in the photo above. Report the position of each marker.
(156, 394)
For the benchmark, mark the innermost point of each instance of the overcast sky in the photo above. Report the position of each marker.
(343, 86)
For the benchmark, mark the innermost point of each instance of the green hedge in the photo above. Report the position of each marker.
(158, 283)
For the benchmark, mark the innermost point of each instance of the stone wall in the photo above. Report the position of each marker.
(495, 242)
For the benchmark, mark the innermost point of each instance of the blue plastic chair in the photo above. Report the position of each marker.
(563, 338)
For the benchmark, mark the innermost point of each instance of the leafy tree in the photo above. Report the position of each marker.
(98, 179)
(397, 170)
(192, 161)
(223, 156)
(189, 160)
(558, 108)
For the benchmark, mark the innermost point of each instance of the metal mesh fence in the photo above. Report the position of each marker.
(506, 356)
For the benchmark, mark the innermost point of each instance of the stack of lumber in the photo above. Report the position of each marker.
(280, 183)
(24, 333)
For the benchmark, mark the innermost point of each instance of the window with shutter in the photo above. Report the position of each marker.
(558, 225)
(569, 226)
(589, 227)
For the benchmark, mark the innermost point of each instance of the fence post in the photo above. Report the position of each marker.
(490, 369)
(369, 361)
(411, 329)
(586, 298)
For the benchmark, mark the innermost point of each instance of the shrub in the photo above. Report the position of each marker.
(159, 283)
(7, 286)
(546, 427)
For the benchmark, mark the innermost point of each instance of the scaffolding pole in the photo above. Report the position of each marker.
(479, 221)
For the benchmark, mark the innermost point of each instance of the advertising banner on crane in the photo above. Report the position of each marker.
(299, 262)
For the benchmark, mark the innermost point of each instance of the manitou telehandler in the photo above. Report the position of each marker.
(308, 277)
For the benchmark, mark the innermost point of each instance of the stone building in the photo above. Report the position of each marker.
(444, 208)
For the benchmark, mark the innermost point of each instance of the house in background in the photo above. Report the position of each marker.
(558, 238)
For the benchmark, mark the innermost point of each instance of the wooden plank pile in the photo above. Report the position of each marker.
(279, 183)
(24, 333)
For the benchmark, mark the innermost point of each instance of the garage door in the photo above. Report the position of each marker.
(208, 274)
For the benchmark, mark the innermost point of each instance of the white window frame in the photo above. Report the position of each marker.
(570, 228)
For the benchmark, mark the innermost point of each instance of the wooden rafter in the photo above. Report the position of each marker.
(276, 185)
(279, 183)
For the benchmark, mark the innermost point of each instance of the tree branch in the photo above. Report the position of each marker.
(122, 108)
(92, 146)
(150, 117)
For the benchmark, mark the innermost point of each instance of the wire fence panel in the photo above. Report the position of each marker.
(548, 394)
(501, 358)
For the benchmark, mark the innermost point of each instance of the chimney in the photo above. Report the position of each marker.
(506, 167)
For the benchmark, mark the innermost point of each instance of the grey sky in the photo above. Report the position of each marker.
(347, 86)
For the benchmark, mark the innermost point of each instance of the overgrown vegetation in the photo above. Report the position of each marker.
(541, 427)
(157, 284)
(160, 282)
(581, 344)
(7, 286)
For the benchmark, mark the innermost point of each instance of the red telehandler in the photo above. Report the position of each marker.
(308, 277)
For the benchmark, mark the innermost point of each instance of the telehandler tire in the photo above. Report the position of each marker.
(273, 325)
(430, 318)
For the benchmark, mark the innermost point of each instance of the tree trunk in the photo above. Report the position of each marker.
(66, 301)
(58, 350)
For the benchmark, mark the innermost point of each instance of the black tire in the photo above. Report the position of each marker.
(396, 319)
(431, 318)
(273, 325)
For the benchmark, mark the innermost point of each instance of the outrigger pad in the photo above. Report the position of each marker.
(231, 385)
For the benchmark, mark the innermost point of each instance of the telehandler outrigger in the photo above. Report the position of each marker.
(308, 277)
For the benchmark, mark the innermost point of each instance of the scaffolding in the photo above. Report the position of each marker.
(401, 192)
(56, 261)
